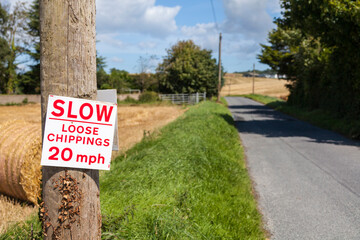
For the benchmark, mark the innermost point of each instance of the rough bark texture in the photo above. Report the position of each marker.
(68, 68)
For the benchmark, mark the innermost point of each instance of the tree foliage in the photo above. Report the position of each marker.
(122, 80)
(30, 81)
(4, 56)
(5, 51)
(316, 44)
(12, 30)
(145, 80)
(187, 69)
(119, 79)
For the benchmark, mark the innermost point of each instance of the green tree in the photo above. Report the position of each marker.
(30, 81)
(316, 45)
(119, 79)
(4, 48)
(146, 80)
(280, 55)
(336, 24)
(188, 69)
(4, 16)
(13, 27)
(4, 55)
(102, 78)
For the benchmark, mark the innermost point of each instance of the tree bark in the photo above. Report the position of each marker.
(71, 207)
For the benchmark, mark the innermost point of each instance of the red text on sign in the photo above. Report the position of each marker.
(86, 111)
(63, 138)
(66, 154)
(80, 129)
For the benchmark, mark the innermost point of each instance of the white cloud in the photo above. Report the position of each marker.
(274, 6)
(116, 60)
(136, 16)
(147, 45)
(244, 46)
(110, 39)
(131, 28)
(247, 17)
(246, 24)
(203, 34)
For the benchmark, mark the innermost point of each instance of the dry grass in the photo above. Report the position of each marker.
(12, 211)
(132, 122)
(235, 84)
(30, 113)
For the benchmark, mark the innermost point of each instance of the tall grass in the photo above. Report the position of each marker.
(29, 229)
(188, 182)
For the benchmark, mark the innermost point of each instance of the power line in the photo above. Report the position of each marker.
(214, 15)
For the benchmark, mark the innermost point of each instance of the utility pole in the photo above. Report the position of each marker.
(253, 82)
(219, 83)
(68, 68)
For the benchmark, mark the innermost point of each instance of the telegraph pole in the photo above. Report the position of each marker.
(68, 68)
(253, 82)
(219, 83)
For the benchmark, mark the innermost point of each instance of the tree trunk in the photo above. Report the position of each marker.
(71, 207)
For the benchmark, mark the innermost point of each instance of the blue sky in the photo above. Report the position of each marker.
(130, 29)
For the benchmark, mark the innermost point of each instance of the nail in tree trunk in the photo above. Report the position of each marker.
(68, 68)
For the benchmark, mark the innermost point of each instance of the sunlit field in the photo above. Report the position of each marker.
(236, 84)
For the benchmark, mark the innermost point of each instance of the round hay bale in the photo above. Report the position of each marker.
(20, 154)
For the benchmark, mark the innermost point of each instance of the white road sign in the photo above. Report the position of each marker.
(78, 133)
(110, 95)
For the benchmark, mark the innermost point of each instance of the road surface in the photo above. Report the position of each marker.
(307, 179)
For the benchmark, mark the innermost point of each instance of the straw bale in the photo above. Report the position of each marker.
(20, 153)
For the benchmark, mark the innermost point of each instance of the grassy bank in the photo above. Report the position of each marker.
(188, 181)
(321, 118)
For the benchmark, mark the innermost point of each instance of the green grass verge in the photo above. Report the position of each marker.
(30, 229)
(223, 101)
(318, 117)
(189, 181)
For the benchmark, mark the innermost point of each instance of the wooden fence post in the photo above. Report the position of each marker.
(68, 68)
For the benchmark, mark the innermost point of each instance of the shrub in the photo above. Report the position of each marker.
(148, 97)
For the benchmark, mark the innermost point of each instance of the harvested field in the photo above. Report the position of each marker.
(133, 121)
(235, 84)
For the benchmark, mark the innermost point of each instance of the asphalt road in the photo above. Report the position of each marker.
(307, 179)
